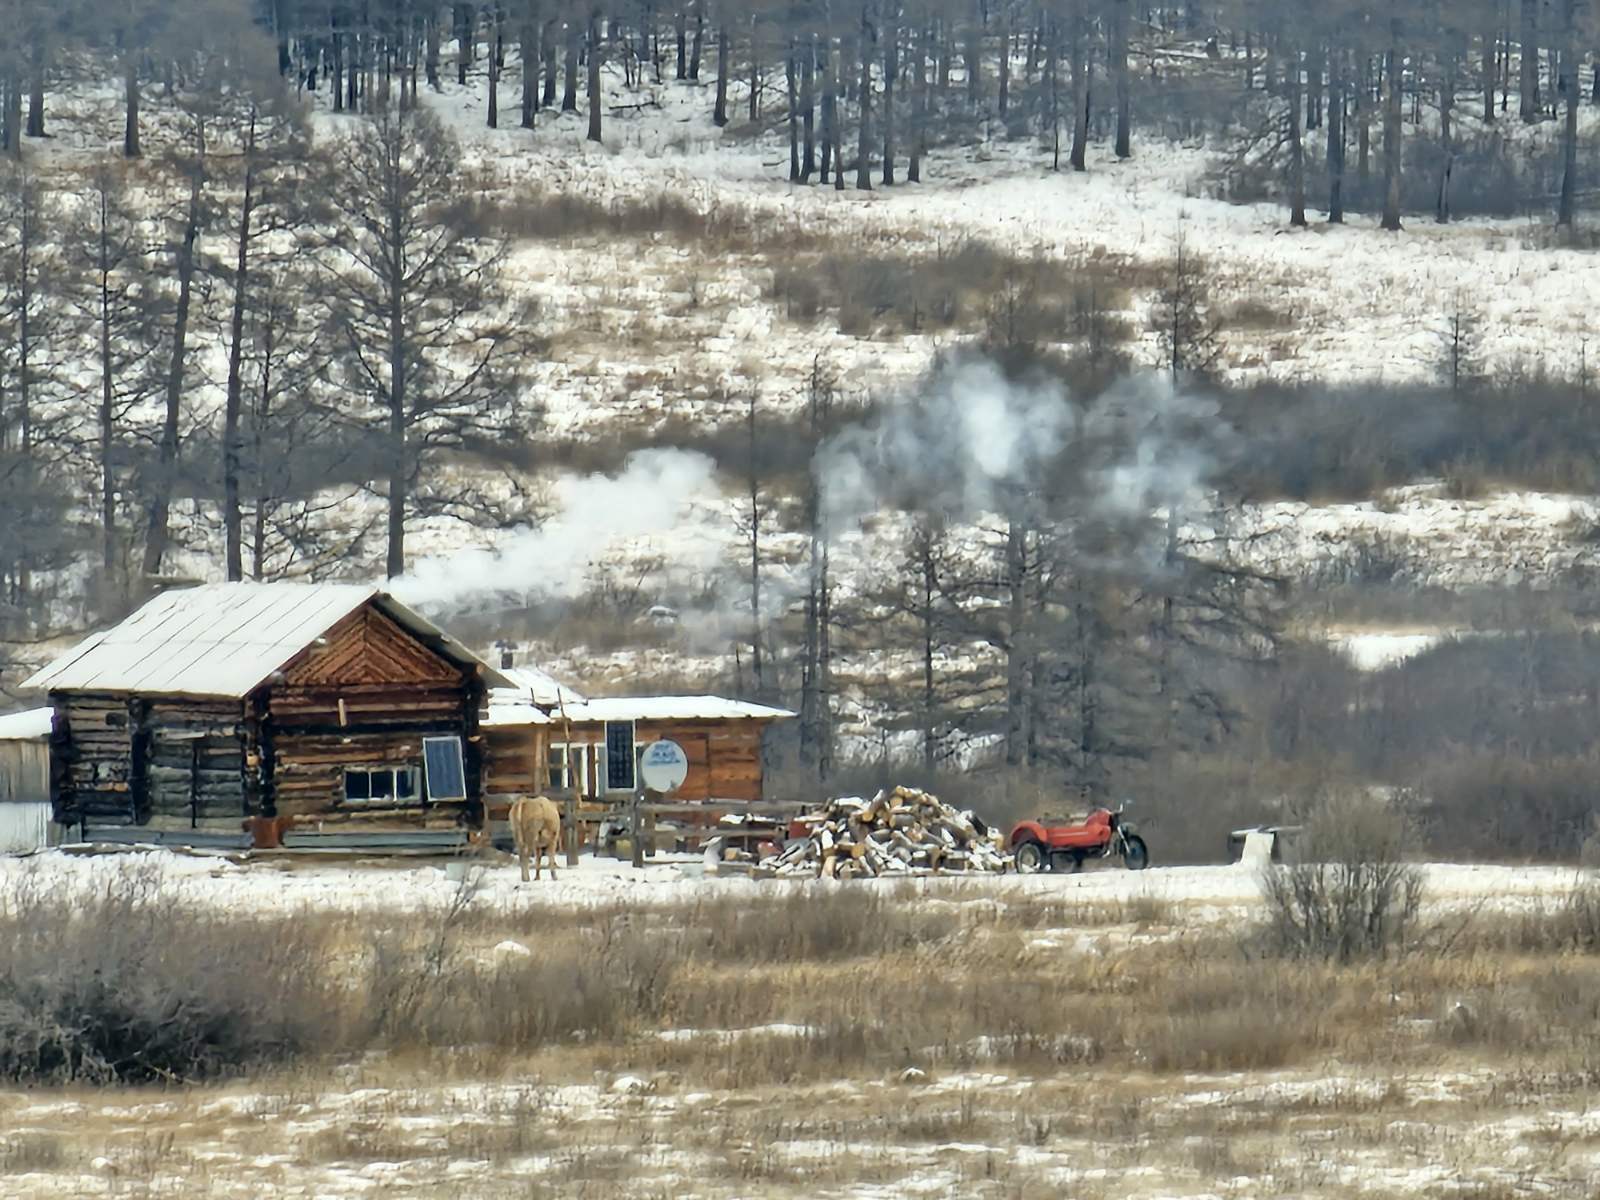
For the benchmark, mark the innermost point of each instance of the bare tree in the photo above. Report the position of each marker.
(429, 332)
(118, 304)
(1181, 315)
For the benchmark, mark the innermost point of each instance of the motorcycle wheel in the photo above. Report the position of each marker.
(1136, 855)
(1029, 857)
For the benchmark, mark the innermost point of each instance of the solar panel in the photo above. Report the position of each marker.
(447, 773)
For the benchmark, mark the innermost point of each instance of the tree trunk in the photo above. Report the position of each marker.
(681, 28)
(36, 96)
(755, 69)
(891, 71)
(492, 116)
(130, 91)
(919, 104)
(465, 19)
(1391, 130)
(719, 112)
(258, 537)
(399, 464)
(1119, 70)
(1486, 72)
(863, 127)
(547, 47)
(830, 114)
(836, 122)
(1297, 153)
(974, 53)
(929, 693)
(158, 536)
(808, 105)
(1363, 119)
(793, 89)
(569, 91)
(1080, 90)
(1016, 643)
(755, 558)
(530, 68)
(107, 414)
(1566, 209)
(1447, 103)
(1528, 57)
(1315, 62)
(1052, 77)
(594, 76)
(1003, 96)
(698, 43)
(431, 62)
(232, 520)
(1335, 157)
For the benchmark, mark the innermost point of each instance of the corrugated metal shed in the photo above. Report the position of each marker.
(24, 784)
(224, 640)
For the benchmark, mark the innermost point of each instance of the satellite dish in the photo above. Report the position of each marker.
(663, 766)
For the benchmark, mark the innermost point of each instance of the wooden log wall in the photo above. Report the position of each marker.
(365, 697)
(118, 760)
(91, 759)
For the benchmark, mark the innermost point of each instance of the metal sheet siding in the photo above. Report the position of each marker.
(24, 827)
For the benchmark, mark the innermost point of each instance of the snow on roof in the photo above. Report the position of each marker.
(503, 710)
(223, 639)
(28, 726)
(540, 686)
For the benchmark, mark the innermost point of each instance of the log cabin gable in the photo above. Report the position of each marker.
(369, 648)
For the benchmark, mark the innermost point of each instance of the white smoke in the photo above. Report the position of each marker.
(653, 496)
(1162, 447)
(1119, 473)
(959, 447)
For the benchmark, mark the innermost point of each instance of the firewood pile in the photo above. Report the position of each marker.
(898, 832)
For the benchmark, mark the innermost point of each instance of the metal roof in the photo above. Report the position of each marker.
(505, 709)
(540, 686)
(225, 639)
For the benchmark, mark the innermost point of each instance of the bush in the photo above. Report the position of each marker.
(1352, 895)
(128, 985)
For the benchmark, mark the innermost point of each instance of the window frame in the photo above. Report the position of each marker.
(567, 750)
(633, 756)
(394, 799)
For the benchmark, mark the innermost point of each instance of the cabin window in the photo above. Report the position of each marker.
(619, 756)
(562, 763)
(381, 785)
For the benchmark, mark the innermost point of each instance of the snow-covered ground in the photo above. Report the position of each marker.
(398, 885)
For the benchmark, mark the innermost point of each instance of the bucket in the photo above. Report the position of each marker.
(456, 871)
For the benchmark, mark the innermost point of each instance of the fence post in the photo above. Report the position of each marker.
(636, 825)
(572, 830)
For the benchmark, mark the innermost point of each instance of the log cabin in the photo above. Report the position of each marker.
(214, 706)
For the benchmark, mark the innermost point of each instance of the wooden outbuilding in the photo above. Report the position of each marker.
(541, 736)
(25, 781)
(333, 704)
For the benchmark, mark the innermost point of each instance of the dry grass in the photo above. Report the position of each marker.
(939, 1041)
